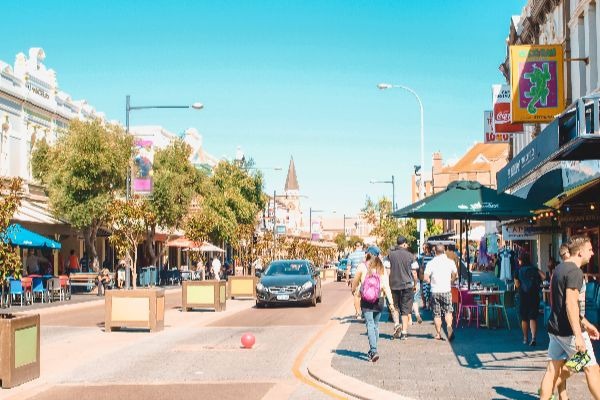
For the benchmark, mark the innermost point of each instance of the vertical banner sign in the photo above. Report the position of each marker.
(501, 101)
(537, 83)
(488, 130)
(142, 166)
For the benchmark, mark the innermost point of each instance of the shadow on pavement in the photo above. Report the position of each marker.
(512, 394)
(350, 353)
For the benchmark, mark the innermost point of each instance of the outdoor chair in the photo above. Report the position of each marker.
(38, 289)
(507, 300)
(16, 289)
(55, 288)
(455, 301)
(592, 310)
(591, 292)
(467, 301)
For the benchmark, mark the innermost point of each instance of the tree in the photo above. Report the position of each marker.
(175, 179)
(229, 202)
(127, 221)
(83, 171)
(10, 199)
(341, 242)
(387, 229)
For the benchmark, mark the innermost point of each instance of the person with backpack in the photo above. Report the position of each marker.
(374, 285)
(529, 281)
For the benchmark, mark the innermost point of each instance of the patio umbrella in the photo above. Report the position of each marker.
(469, 200)
(194, 246)
(16, 235)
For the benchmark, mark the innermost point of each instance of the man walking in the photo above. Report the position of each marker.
(440, 273)
(568, 330)
(403, 282)
(355, 258)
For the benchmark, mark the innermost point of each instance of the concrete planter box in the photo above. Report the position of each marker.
(19, 348)
(241, 286)
(138, 308)
(328, 274)
(203, 294)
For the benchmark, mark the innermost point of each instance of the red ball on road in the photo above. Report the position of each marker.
(248, 340)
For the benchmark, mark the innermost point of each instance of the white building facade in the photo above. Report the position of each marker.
(32, 107)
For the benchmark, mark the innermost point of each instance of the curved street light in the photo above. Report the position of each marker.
(385, 86)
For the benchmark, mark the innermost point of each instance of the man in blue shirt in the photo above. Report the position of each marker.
(354, 259)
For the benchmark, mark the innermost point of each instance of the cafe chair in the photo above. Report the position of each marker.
(38, 289)
(55, 288)
(467, 301)
(15, 289)
(507, 300)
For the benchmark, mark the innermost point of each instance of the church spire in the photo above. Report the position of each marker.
(291, 182)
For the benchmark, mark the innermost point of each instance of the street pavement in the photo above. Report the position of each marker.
(317, 353)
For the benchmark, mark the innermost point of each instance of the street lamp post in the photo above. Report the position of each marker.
(392, 182)
(128, 108)
(384, 86)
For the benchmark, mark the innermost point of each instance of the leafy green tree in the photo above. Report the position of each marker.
(175, 179)
(229, 202)
(83, 171)
(10, 199)
(387, 229)
(127, 221)
(341, 242)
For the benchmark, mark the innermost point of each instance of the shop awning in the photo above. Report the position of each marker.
(16, 235)
(191, 245)
(35, 212)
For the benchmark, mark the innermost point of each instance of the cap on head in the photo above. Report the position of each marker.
(373, 250)
(401, 240)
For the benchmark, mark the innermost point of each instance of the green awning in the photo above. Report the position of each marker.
(470, 200)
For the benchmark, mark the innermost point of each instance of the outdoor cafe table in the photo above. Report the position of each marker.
(486, 294)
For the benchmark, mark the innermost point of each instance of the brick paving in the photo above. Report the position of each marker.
(478, 364)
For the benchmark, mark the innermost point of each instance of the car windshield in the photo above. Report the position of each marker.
(287, 269)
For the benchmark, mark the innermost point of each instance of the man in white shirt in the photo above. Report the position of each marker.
(216, 267)
(440, 273)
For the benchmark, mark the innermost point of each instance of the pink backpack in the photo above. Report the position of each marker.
(371, 288)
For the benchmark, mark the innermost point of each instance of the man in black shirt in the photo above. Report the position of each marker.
(570, 332)
(403, 282)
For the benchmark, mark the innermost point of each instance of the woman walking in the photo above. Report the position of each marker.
(374, 284)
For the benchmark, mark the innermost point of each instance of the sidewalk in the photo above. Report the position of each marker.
(479, 363)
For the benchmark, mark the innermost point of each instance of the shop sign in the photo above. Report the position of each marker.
(537, 82)
(579, 218)
(534, 155)
(502, 115)
(37, 90)
(516, 232)
(280, 229)
(488, 130)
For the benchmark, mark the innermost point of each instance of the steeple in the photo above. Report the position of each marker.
(291, 182)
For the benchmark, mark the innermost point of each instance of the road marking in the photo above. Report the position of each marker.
(300, 359)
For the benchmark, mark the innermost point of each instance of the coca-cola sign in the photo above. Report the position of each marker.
(502, 114)
(488, 130)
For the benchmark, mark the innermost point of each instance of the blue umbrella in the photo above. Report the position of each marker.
(16, 235)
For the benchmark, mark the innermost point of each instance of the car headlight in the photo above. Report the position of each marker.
(260, 287)
(306, 286)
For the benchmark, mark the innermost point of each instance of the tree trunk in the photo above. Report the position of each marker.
(150, 245)
(89, 236)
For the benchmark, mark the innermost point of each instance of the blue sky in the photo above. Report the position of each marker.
(284, 78)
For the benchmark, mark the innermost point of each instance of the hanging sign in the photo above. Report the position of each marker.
(488, 130)
(502, 117)
(537, 82)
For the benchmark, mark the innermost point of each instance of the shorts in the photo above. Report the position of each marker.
(403, 300)
(442, 303)
(529, 306)
(563, 347)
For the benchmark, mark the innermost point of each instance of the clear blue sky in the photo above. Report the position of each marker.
(284, 78)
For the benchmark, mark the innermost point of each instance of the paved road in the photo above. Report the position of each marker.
(198, 354)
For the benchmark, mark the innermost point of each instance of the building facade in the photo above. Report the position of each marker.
(558, 163)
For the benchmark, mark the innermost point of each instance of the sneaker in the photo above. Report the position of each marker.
(373, 356)
(397, 330)
(533, 343)
(419, 320)
(404, 336)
